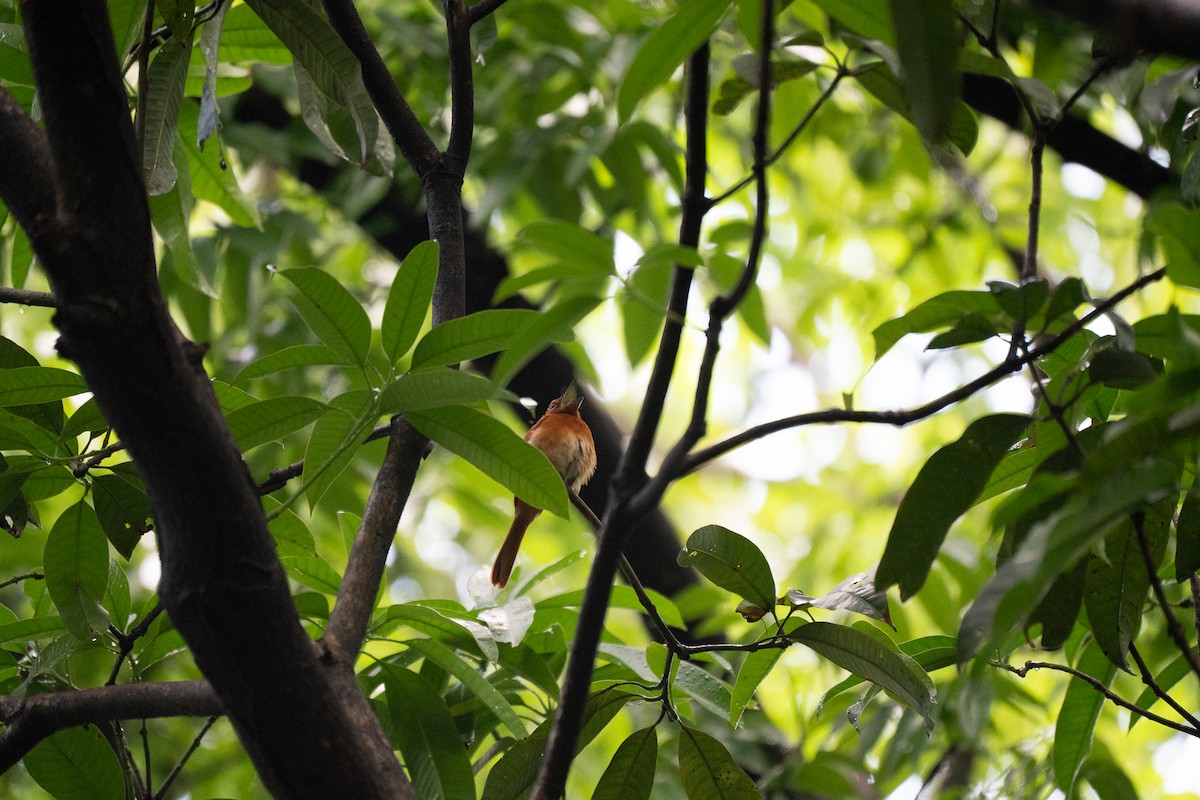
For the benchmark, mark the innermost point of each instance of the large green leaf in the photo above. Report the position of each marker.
(299, 355)
(1077, 718)
(333, 441)
(336, 318)
(272, 419)
(944, 489)
(555, 324)
(497, 452)
(709, 772)
(1057, 544)
(514, 774)
(927, 41)
(937, 312)
(77, 764)
(869, 18)
(1117, 582)
(123, 508)
(732, 562)
(868, 657)
(571, 245)
(76, 565)
(754, 669)
(630, 774)
(467, 674)
(438, 387)
(168, 74)
(408, 299)
(1187, 536)
(211, 175)
(428, 738)
(472, 336)
(29, 385)
(668, 46)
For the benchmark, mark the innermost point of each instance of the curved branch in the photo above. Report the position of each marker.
(462, 87)
(903, 417)
(414, 143)
(29, 720)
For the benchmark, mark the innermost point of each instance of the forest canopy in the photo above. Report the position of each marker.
(883, 315)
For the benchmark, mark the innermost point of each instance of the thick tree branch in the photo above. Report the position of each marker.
(1073, 138)
(28, 720)
(1159, 26)
(26, 183)
(356, 596)
(618, 522)
(222, 582)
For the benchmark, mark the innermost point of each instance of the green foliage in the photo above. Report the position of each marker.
(896, 213)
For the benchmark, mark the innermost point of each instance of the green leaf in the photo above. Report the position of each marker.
(497, 452)
(942, 311)
(300, 355)
(30, 385)
(439, 387)
(514, 774)
(753, 670)
(287, 527)
(1122, 369)
(571, 245)
(668, 46)
(555, 324)
(212, 177)
(868, 657)
(708, 771)
(123, 508)
(630, 774)
(31, 629)
(732, 562)
(857, 593)
(473, 336)
(462, 634)
(334, 441)
(644, 308)
(869, 18)
(339, 111)
(313, 572)
(168, 74)
(77, 764)
(1117, 583)
(1077, 718)
(1179, 237)
(271, 420)
(1107, 778)
(450, 661)
(1057, 544)
(1022, 302)
(337, 319)
(409, 299)
(929, 652)
(428, 739)
(944, 489)
(1187, 536)
(927, 41)
(76, 566)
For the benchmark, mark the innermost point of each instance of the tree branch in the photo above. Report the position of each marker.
(1159, 26)
(28, 720)
(1174, 629)
(351, 613)
(1099, 686)
(903, 417)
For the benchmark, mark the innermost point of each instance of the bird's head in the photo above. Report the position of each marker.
(569, 403)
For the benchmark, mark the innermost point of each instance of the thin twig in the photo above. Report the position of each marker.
(906, 416)
(126, 641)
(1159, 692)
(1099, 686)
(174, 773)
(1174, 629)
(28, 576)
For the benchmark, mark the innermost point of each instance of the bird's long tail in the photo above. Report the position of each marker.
(507, 556)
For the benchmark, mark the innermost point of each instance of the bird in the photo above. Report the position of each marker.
(567, 441)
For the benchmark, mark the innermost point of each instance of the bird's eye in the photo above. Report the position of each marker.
(553, 405)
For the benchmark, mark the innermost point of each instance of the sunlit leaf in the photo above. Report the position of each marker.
(336, 318)
(472, 336)
(77, 764)
(709, 772)
(408, 299)
(427, 737)
(76, 564)
(732, 562)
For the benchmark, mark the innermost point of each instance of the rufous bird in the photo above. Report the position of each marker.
(567, 441)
